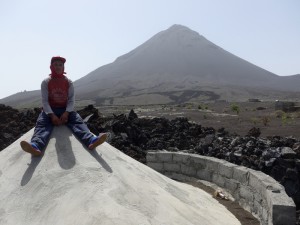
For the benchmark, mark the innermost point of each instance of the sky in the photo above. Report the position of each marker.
(93, 33)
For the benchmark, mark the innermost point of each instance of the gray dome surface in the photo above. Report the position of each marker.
(71, 185)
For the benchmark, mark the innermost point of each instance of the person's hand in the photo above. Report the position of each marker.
(64, 117)
(55, 120)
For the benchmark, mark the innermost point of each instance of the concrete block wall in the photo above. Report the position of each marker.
(255, 191)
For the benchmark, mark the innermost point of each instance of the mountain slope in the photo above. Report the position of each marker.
(177, 57)
(180, 52)
(175, 62)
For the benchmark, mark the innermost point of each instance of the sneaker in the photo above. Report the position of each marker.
(98, 141)
(27, 147)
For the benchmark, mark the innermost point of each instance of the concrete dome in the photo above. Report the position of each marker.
(71, 185)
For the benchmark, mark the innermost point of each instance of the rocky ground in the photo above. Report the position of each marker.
(278, 156)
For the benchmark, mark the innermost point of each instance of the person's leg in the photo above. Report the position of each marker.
(28, 147)
(41, 135)
(79, 128)
(82, 132)
(42, 131)
(97, 141)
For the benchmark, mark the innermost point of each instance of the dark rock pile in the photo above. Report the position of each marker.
(276, 156)
(14, 123)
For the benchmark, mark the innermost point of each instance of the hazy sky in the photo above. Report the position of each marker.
(92, 33)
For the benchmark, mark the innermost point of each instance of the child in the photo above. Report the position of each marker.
(58, 109)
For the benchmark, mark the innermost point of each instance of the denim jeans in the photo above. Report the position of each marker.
(44, 128)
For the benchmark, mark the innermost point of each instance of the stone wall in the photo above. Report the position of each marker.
(255, 191)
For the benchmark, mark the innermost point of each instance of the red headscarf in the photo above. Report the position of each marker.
(53, 73)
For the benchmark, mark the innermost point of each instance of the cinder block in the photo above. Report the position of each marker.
(245, 204)
(246, 193)
(172, 167)
(262, 182)
(231, 185)
(188, 170)
(199, 162)
(205, 174)
(164, 156)
(283, 215)
(257, 208)
(226, 169)
(214, 163)
(236, 194)
(182, 157)
(282, 208)
(241, 174)
(271, 184)
(156, 166)
(151, 157)
(261, 199)
(218, 180)
(255, 178)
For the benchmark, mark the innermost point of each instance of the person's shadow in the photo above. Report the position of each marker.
(65, 154)
(66, 157)
(30, 170)
(100, 160)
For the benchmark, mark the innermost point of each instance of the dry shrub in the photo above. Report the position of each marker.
(265, 120)
(279, 113)
(254, 120)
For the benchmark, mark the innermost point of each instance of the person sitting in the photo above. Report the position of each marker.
(58, 99)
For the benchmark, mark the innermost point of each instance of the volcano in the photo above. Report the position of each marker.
(174, 66)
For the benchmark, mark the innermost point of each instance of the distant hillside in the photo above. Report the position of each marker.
(26, 99)
(178, 65)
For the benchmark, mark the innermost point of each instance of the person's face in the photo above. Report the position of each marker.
(58, 67)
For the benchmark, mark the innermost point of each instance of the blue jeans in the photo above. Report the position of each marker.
(44, 128)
